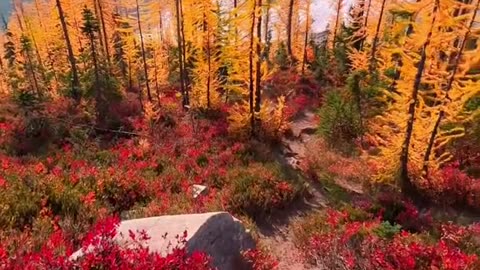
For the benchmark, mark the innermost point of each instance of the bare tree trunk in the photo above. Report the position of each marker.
(266, 31)
(208, 53)
(47, 44)
(155, 69)
(305, 44)
(373, 62)
(32, 73)
(160, 26)
(97, 15)
(144, 58)
(71, 56)
(289, 30)
(258, 69)
(250, 73)
(99, 98)
(451, 80)
(104, 32)
(365, 23)
(35, 45)
(406, 183)
(180, 54)
(184, 51)
(337, 21)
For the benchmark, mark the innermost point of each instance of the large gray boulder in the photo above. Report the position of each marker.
(218, 234)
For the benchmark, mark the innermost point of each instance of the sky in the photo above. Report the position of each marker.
(320, 12)
(4, 7)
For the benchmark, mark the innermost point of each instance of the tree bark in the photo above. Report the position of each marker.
(184, 51)
(337, 20)
(144, 58)
(47, 44)
(97, 15)
(365, 23)
(71, 57)
(32, 73)
(451, 80)
(289, 29)
(266, 32)
(250, 73)
(104, 32)
(305, 44)
(372, 65)
(160, 26)
(406, 183)
(258, 68)
(180, 53)
(209, 61)
(155, 69)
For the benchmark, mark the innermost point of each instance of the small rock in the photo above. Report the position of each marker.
(293, 162)
(199, 190)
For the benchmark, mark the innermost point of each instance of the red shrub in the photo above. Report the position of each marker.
(453, 186)
(260, 260)
(102, 252)
(345, 244)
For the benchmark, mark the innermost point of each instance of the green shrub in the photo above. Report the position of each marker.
(312, 224)
(387, 230)
(257, 189)
(20, 204)
(340, 122)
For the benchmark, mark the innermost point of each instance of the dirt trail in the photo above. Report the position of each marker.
(276, 232)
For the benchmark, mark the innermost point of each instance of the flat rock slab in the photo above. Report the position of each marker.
(218, 234)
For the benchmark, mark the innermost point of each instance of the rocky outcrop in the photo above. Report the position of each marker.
(218, 234)
(300, 132)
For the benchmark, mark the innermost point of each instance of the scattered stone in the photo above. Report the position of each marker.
(199, 190)
(293, 162)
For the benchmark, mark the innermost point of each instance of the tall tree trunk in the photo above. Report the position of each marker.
(235, 5)
(155, 69)
(258, 68)
(266, 31)
(209, 61)
(104, 31)
(180, 54)
(289, 30)
(373, 62)
(404, 156)
(35, 85)
(99, 99)
(449, 86)
(184, 51)
(250, 72)
(35, 45)
(71, 56)
(95, 63)
(130, 78)
(305, 42)
(144, 57)
(47, 43)
(338, 11)
(160, 26)
(97, 15)
(365, 23)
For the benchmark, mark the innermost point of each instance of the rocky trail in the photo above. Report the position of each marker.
(276, 231)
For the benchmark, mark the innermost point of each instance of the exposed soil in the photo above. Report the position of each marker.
(276, 233)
